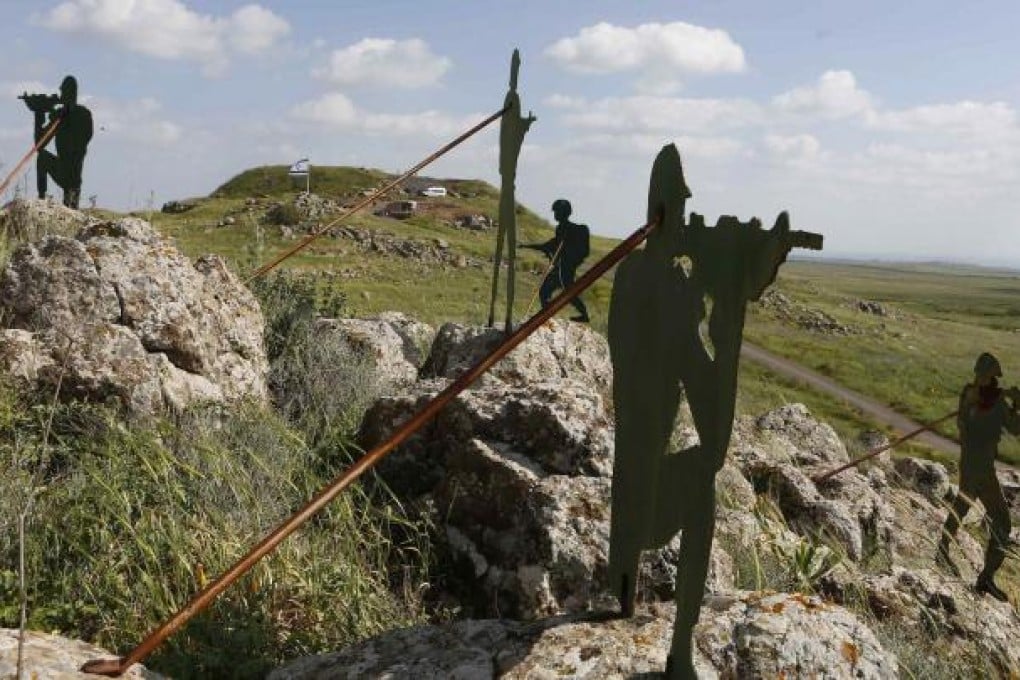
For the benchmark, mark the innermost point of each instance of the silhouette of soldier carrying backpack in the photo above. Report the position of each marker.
(568, 249)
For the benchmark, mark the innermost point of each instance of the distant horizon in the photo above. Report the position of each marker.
(1006, 265)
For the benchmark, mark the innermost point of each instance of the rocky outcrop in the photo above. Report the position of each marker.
(118, 313)
(516, 475)
(556, 351)
(809, 318)
(394, 344)
(518, 469)
(779, 453)
(56, 658)
(30, 219)
(742, 635)
(436, 251)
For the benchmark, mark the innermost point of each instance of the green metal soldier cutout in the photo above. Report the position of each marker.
(984, 413)
(658, 354)
(567, 249)
(72, 139)
(512, 129)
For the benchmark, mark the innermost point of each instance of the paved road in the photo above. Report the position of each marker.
(867, 405)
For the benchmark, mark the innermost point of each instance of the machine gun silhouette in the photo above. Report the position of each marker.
(40, 103)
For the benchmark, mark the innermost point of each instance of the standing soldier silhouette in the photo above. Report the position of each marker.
(659, 358)
(512, 128)
(984, 414)
(72, 140)
(567, 249)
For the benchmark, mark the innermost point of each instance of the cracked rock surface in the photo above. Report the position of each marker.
(117, 312)
(741, 635)
(56, 658)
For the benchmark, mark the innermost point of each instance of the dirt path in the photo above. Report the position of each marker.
(867, 405)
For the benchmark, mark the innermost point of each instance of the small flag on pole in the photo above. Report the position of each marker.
(299, 169)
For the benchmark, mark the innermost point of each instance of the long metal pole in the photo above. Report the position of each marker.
(115, 667)
(871, 454)
(374, 196)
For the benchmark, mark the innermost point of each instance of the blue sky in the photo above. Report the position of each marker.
(890, 127)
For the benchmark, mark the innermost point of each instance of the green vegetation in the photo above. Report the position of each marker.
(128, 519)
(270, 180)
(917, 358)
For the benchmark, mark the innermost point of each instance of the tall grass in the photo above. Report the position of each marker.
(133, 516)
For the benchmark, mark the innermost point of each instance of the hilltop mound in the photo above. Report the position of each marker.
(338, 181)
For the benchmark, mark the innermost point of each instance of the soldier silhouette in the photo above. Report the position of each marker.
(512, 128)
(659, 355)
(567, 249)
(984, 413)
(72, 139)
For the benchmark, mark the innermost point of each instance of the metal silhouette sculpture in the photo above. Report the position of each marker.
(512, 129)
(660, 351)
(566, 250)
(984, 413)
(72, 136)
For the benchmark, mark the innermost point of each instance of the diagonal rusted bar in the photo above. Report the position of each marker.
(115, 667)
(43, 141)
(374, 196)
(881, 449)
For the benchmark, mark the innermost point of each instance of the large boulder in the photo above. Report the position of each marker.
(29, 219)
(558, 349)
(394, 344)
(781, 451)
(56, 658)
(739, 636)
(119, 312)
(518, 471)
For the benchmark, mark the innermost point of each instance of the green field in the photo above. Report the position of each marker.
(914, 359)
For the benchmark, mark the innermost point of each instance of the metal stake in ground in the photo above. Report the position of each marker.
(116, 667)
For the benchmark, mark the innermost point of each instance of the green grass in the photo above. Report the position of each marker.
(915, 361)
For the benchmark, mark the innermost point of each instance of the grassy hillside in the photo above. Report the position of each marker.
(914, 359)
(272, 180)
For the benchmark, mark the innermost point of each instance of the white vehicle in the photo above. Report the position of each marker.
(434, 191)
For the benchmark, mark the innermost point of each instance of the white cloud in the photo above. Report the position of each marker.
(381, 61)
(646, 146)
(673, 115)
(836, 95)
(334, 109)
(254, 29)
(337, 111)
(137, 121)
(793, 147)
(563, 101)
(605, 48)
(14, 88)
(169, 29)
(965, 117)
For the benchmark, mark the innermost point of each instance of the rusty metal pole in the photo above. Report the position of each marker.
(115, 667)
(43, 141)
(871, 454)
(375, 195)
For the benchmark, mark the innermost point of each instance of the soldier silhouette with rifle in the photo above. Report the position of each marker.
(567, 250)
(72, 139)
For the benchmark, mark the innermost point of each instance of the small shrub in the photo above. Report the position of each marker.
(285, 214)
